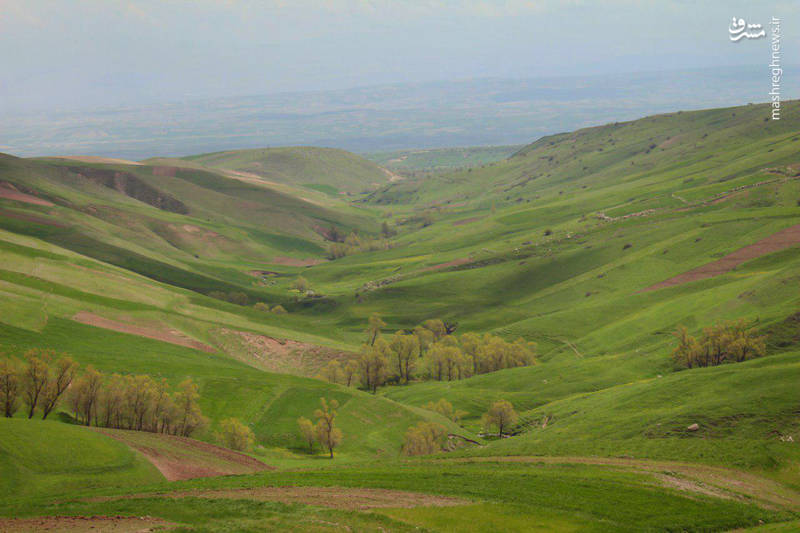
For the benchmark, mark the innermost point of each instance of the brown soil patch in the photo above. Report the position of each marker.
(180, 458)
(467, 220)
(171, 336)
(10, 192)
(284, 356)
(291, 261)
(76, 524)
(31, 218)
(781, 240)
(262, 273)
(97, 159)
(354, 499)
(165, 171)
(708, 480)
(454, 262)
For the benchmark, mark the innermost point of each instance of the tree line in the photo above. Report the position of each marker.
(429, 351)
(43, 379)
(726, 342)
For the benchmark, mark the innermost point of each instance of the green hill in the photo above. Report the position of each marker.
(595, 244)
(327, 170)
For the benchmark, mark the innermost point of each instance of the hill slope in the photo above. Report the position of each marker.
(328, 170)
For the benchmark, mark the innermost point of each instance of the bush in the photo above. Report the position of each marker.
(424, 439)
(279, 310)
(235, 435)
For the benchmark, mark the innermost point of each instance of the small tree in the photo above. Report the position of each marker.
(62, 374)
(405, 350)
(445, 408)
(300, 284)
(9, 386)
(500, 415)
(333, 371)
(373, 365)
(35, 377)
(349, 371)
(328, 435)
(190, 418)
(374, 328)
(425, 438)
(84, 393)
(307, 432)
(235, 435)
(279, 310)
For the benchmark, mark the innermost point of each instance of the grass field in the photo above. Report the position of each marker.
(155, 268)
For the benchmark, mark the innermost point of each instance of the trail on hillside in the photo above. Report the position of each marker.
(719, 482)
(781, 240)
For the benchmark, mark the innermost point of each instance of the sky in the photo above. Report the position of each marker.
(75, 54)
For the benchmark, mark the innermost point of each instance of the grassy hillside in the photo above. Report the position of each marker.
(595, 244)
(327, 170)
(411, 162)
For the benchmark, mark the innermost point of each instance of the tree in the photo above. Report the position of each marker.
(9, 386)
(112, 398)
(373, 365)
(300, 284)
(190, 418)
(386, 231)
(404, 351)
(374, 328)
(333, 371)
(84, 394)
(445, 408)
(279, 310)
(235, 435)
(307, 432)
(425, 438)
(62, 373)
(328, 435)
(500, 415)
(349, 371)
(727, 342)
(35, 377)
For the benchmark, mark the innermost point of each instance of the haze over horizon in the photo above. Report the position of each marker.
(89, 54)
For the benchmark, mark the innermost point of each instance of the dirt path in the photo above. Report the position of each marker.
(354, 499)
(179, 458)
(171, 336)
(714, 481)
(80, 524)
(781, 240)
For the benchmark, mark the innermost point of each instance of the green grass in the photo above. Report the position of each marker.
(47, 458)
(549, 258)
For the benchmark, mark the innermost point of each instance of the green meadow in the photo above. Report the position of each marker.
(560, 243)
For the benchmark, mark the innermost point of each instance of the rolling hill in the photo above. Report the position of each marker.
(328, 170)
(595, 244)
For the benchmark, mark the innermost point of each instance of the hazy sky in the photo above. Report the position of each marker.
(85, 53)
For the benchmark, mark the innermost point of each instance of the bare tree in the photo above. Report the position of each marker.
(62, 373)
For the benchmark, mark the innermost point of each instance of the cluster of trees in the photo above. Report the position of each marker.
(44, 378)
(429, 437)
(324, 431)
(727, 342)
(354, 244)
(429, 351)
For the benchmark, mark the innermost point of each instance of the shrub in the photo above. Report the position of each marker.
(235, 435)
(424, 439)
